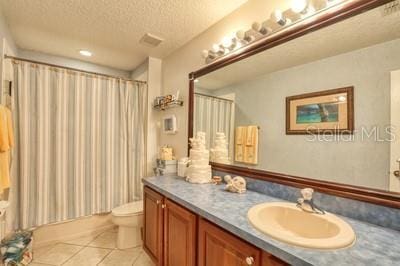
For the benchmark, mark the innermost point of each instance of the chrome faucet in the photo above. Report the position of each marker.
(306, 203)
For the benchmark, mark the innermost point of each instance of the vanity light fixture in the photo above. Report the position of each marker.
(305, 8)
(278, 17)
(320, 4)
(85, 53)
(300, 6)
(245, 36)
(205, 54)
(218, 49)
(227, 42)
(261, 28)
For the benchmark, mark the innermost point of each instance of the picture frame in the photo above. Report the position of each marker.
(324, 112)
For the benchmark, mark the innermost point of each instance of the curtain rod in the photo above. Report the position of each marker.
(70, 68)
(215, 97)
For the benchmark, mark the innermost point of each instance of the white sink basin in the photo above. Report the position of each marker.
(286, 222)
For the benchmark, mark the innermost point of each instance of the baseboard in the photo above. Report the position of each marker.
(61, 232)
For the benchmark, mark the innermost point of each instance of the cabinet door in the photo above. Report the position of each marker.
(153, 225)
(219, 248)
(270, 260)
(179, 235)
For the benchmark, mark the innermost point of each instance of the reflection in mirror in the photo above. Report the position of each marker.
(255, 102)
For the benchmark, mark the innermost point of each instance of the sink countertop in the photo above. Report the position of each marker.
(374, 245)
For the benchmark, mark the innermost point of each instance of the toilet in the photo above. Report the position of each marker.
(129, 219)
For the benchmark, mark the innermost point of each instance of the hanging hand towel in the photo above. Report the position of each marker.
(239, 141)
(6, 142)
(251, 148)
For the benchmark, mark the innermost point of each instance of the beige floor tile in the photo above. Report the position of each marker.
(88, 257)
(39, 264)
(37, 252)
(82, 241)
(143, 260)
(105, 240)
(57, 255)
(122, 257)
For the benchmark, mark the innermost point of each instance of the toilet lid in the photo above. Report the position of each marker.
(128, 209)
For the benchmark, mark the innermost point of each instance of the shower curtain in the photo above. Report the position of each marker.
(80, 144)
(213, 115)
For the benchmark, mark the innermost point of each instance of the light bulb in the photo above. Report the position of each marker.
(278, 17)
(216, 48)
(240, 34)
(299, 6)
(256, 26)
(227, 42)
(320, 4)
(204, 53)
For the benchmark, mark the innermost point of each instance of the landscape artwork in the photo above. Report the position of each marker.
(317, 113)
(321, 112)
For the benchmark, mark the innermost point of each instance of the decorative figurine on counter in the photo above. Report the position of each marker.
(236, 185)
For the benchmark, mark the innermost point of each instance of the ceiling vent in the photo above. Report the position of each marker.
(150, 40)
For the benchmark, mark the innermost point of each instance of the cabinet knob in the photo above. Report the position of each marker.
(158, 202)
(163, 206)
(249, 260)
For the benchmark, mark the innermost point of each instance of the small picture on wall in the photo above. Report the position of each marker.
(328, 111)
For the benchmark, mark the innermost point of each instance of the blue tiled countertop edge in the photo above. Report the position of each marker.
(374, 246)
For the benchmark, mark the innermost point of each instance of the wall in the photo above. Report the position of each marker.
(178, 65)
(7, 46)
(363, 162)
(150, 71)
(90, 226)
(73, 63)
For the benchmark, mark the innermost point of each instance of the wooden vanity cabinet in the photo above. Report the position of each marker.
(219, 248)
(174, 236)
(169, 231)
(153, 225)
(179, 235)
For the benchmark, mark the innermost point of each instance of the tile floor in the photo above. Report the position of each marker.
(87, 251)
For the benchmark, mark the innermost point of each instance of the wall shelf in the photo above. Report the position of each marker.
(165, 106)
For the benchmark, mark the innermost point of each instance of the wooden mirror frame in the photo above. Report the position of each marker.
(347, 10)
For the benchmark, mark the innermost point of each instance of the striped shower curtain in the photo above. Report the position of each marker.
(80, 144)
(213, 115)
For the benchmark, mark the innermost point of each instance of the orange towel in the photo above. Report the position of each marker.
(6, 143)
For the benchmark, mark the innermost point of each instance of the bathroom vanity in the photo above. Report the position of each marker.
(174, 235)
(308, 104)
(206, 225)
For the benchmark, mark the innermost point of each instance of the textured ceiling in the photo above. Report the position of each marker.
(110, 29)
(357, 32)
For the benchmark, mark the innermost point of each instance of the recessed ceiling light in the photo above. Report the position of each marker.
(85, 53)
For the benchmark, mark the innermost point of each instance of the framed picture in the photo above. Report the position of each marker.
(327, 112)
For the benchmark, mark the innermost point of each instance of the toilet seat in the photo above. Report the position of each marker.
(128, 209)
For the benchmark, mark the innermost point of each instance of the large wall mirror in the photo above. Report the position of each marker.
(324, 106)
